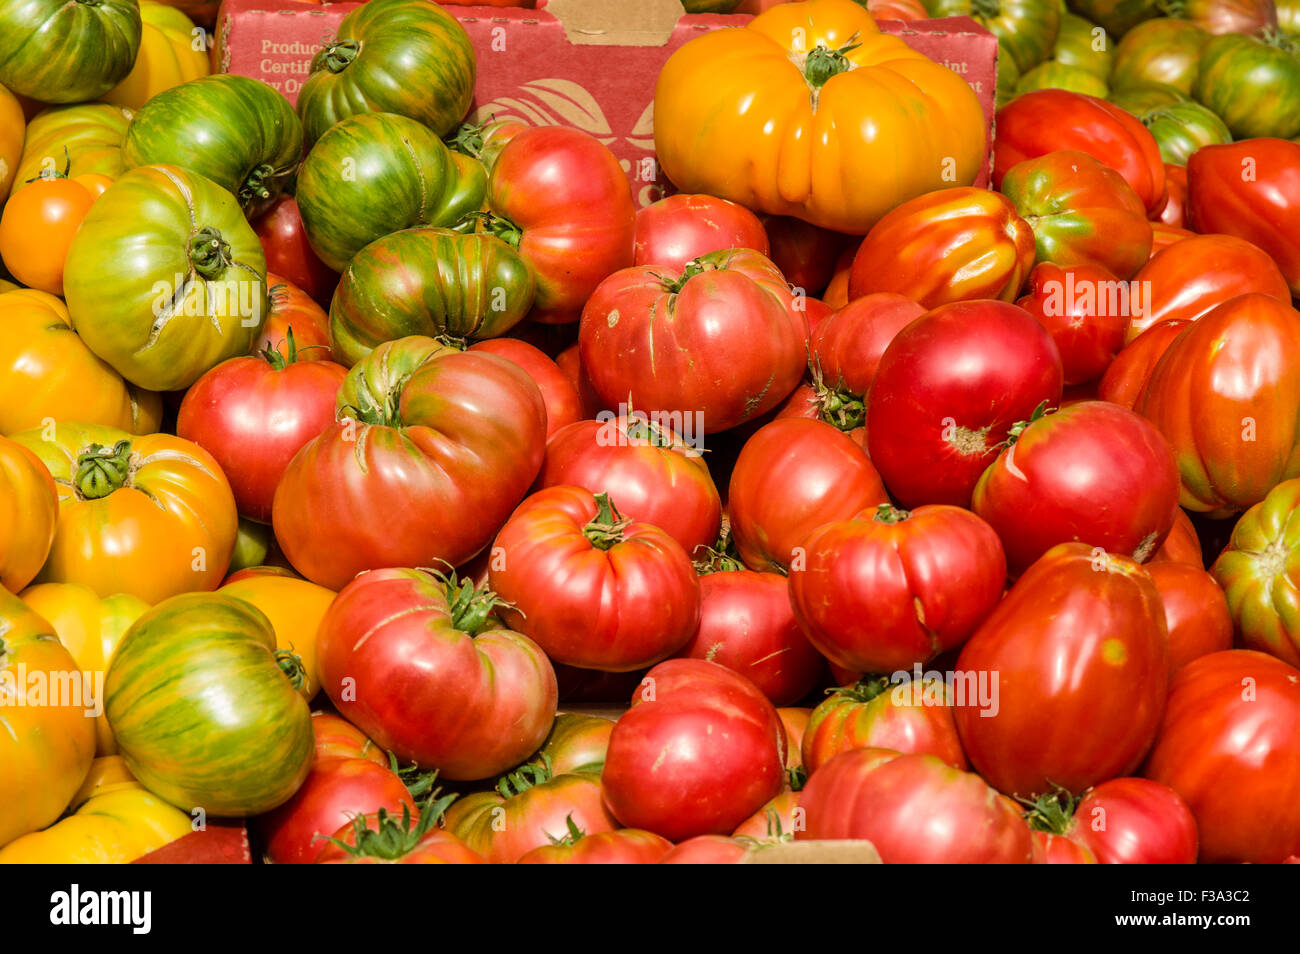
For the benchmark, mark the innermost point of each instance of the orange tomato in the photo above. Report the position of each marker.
(13, 130)
(295, 608)
(29, 507)
(37, 227)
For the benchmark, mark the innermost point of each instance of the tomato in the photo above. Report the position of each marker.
(718, 343)
(910, 717)
(1080, 628)
(295, 609)
(1132, 821)
(655, 476)
(429, 682)
(152, 516)
(1083, 212)
(1052, 119)
(29, 508)
(289, 254)
(569, 361)
(1026, 29)
(1084, 45)
(1162, 236)
(1257, 573)
(292, 310)
(805, 254)
(165, 296)
(672, 231)
(36, 229)
(747, 625)
(334, 792)
(577, 743)
(1053, 75)
(253, 414)
(1161, 50)
(1196, 613)
(452, 438)
(565, 551)
(914, 809)
(1191, 277)
(1182, 545)
(1173, 214)
(337, 738)
(1230, 746)
(1252, 83)
(706, 850)
(883, 591)
(848, 345)
(13, 129)
(561, 198)
(1224, 394)
(83, 138)
(375, 174)
(192, 688)
(1053, 849)
(627, 846)
(785, 114)
(60, 53)
(383, 840)
(167, 56)
(1183, 128)
(1074, 303)
(1251, 190)
(236, 131)
(49, 738)
(951, 245)
(391, 56)
(792, 476)
(432, 282)
(699, 751)
(563, 405)
(1092, 472)
(947, 392)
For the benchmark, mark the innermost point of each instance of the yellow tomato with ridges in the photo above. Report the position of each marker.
(168, 56)
(295, 608)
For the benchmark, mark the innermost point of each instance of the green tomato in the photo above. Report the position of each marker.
(1252, 84)
(1026, 29)
(1053, 75)
(67, 51)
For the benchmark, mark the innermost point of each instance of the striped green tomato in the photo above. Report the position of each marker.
(1026, 29)
(67, 51)
(82, 138)
(1253, 84)
(1182, 128)
(204, 713)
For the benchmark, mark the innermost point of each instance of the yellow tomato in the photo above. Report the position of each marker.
(29, 508)
(295, 608)
(47, 725)
(13, 128)
(90, 627)
(149, 515)
(107, 774)
(86, 138)
(168, 56)
(48, 374)
(810, 111)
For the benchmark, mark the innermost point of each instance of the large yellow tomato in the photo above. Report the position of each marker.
(13, 128)
(295, 608)
(48, 374)
(149, 515)
(82, 138)
(90, 626)
(168, 56)
(29, 507)
(810, 111)
(47, 725)
(116, 822)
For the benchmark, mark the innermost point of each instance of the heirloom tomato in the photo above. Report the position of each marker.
(291, 310)
(1074, 303)
(337, 738)
(1161, 50)
(1053, 75)
(83, 138)
(167, 57)
(1082, 44)
(289, 253)
(1125, 821)
(1196, 612)
(563, 404)
(1252, 84)
(626, 846)
(1027, 30)
(37, 226)
(58, 52)
(29, 509)
(673, 231)
(383, 840)
(295, 609)
(706, 850)
(849, 343)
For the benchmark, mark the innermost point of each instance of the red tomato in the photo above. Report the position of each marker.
(914, 809)
(699, 751)
(804, 253)
(718, 343)
(594, 589)
(706, 850)
(427, 681)
(792, 476)
(292, 310)
(1074, 303)
(672, 231)
(1182, 545)
(1162, 236)
(337, 738)
(254, 414)
(886, 590)
(775, 822)
(1196, 612)
(288, 254)
(569, 361)
(1051, 849)
(655, 476)
(947, 392)
(383, 840)
(1128, 821)
(1230, 746)
(1174, 211)
(1127, 376)
(627, 846)
(561, 198)
(1048, 120)
(848, 345)
(563, 406)
(1093, 472)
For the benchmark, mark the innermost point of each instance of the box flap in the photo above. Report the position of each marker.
(845, 852)
(601, 23)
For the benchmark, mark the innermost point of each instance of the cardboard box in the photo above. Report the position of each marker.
(590, 64)
(222, 842)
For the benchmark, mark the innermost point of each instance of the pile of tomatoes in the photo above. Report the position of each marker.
(357, 462)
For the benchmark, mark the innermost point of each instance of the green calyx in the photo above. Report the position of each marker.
(528, 775)
(1052, 812)
(1018, 428)
(290, 664)
(606, 528)
(471, 606)
(391, 839)
(572, 837)
(823, 63)
(102, 470)
(209, 253)
(888, 513)
(338, 56)
(489, 223)
(256, 185)
(721, 557)
(866, 689)
(382, 411)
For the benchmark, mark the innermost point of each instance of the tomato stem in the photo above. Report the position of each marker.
(1051, 812)
(490, 223)
(888, 513)
(291, 665)
(528, 775)
(102, 470)
(209, 253)
(867, 688)
(823, 63)
(256, 185)
(1018, 428)
(606, 528)
(692, 268)
(339, 55)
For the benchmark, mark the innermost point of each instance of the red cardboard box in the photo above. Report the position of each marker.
(222, 842)
(590, 64)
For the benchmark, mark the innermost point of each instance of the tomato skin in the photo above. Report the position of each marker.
(747, 625)
(805, 254)
(1135, 821)
(13, 129)
(1126, 377)
(1092, 472)
(1196, 612)
(948, 390)
(1050, 849)
(1163, 50)
(1173, 213)
(1230, 746)
(291, 309)
(1079, 627)
(254, 414)
(295, 608)
(289, 254)
(577, 743)
(36, 229)
(792, 476)
(166, 58)
(334, 791)
(569, 361)
(763, 828)
(672, 231)
(955, 244)
(1046, 120)
(90, 132)
(914, 809)
(337, 738)
(879, 592)
(555, 564)
(1251, 82)
(879, 714)
(29, 510)
(469, 705)
(56, 53)
(1261, 209)
(716, 747)
(1182, 545)
(573, 208)
(1073, 304)
(706, 850)
(627, 846)
(719, 343)
(850, 343)
(1233, 369)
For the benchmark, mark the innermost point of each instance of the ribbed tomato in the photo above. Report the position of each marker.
(1127, 376)
(292, 310)
(1085, 309)
(1196, 612)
